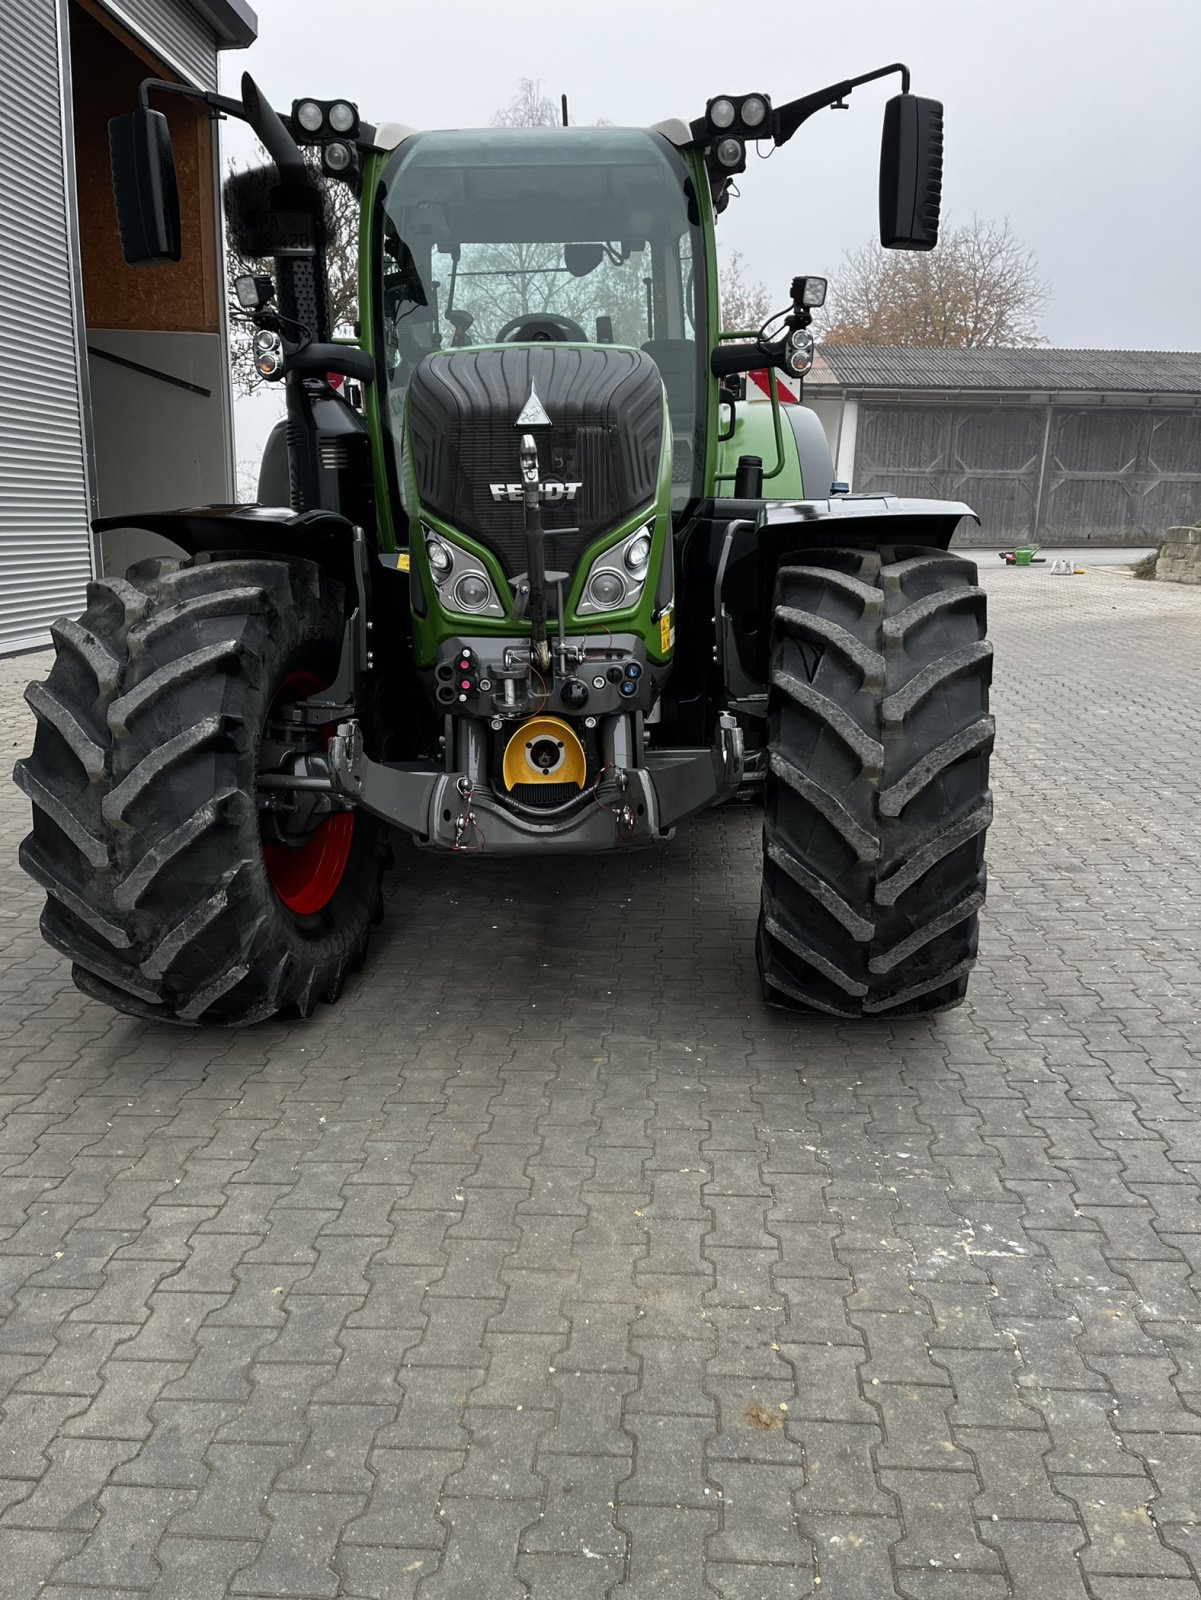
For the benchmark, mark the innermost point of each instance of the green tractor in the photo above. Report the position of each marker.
(530, 574)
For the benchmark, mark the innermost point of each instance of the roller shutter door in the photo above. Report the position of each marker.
(45, 543)
(176, 34)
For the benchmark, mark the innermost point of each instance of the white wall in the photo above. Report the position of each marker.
(157, 447)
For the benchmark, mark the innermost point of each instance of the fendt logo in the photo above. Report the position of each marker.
(548, 493)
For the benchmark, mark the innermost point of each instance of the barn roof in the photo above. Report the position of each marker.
(902, 367)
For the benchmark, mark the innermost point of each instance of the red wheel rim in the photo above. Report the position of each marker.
(306, 878)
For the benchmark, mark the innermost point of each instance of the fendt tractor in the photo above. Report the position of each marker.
(534, 571)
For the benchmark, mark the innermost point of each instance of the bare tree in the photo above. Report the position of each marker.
(521, 279)
(342, 272)
(743, 305)
(979, 288)
(529, 108)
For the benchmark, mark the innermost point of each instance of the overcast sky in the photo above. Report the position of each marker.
(1079, 120)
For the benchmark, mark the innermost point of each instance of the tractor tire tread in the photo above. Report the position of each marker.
(877, 799)
(146, 830)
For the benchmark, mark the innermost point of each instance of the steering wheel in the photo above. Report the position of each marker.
(541, 327)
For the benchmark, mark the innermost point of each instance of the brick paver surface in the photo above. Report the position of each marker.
(549, 1263)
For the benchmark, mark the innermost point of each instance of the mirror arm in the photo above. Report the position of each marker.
(786, 119)
(218, 104)
(252, 108)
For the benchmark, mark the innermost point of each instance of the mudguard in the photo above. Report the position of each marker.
(863, 521)
(758, 542)
(320, 536)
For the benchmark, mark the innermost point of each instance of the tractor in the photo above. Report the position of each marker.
(534, 569)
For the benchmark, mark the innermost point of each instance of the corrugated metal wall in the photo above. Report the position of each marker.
(1060, 472)
(45, 544)
(45, 536)
(174, 32)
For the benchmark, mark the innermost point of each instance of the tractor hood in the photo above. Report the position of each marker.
(599, 456)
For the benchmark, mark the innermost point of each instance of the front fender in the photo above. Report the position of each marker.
(756, 546)
(861, 521)
(323, 537)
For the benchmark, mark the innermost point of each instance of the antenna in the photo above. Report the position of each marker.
(564, 110)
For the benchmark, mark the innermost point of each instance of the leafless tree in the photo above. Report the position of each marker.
(744, 305)
(529, 108)
(520, 279)
(979, 288)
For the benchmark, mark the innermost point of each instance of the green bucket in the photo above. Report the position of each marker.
(1022, 558)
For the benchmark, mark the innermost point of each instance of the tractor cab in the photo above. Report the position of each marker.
(571, 236)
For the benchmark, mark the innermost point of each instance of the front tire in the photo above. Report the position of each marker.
(147, 833)
(877, 798)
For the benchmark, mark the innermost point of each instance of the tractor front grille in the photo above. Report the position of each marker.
(606, 411)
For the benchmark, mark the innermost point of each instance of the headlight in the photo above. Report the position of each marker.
(440, 558)
(606, 589)
(460, 578)
(721, 112)
(310, 115)
(472, 593)
(342, 116)
(617, 576)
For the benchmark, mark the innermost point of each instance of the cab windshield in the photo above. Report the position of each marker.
(579, 235)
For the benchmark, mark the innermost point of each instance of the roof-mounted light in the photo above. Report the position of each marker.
(343, 118)
(746, 116)
(753, 111)
(337, 157)
(318, 120)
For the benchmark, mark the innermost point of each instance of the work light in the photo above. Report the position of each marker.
(747, 115)
(337, 157)
(729, 152)
(811, 292)
(753, 110)
(342, 116)
(253, 291)
(310, 115)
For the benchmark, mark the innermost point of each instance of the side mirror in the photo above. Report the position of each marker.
(144, 188)
(910, 173)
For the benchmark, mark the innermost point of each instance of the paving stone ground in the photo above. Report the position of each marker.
(550, 1264)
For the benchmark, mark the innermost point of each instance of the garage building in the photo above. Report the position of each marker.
(1055, 446)
(116, 391)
